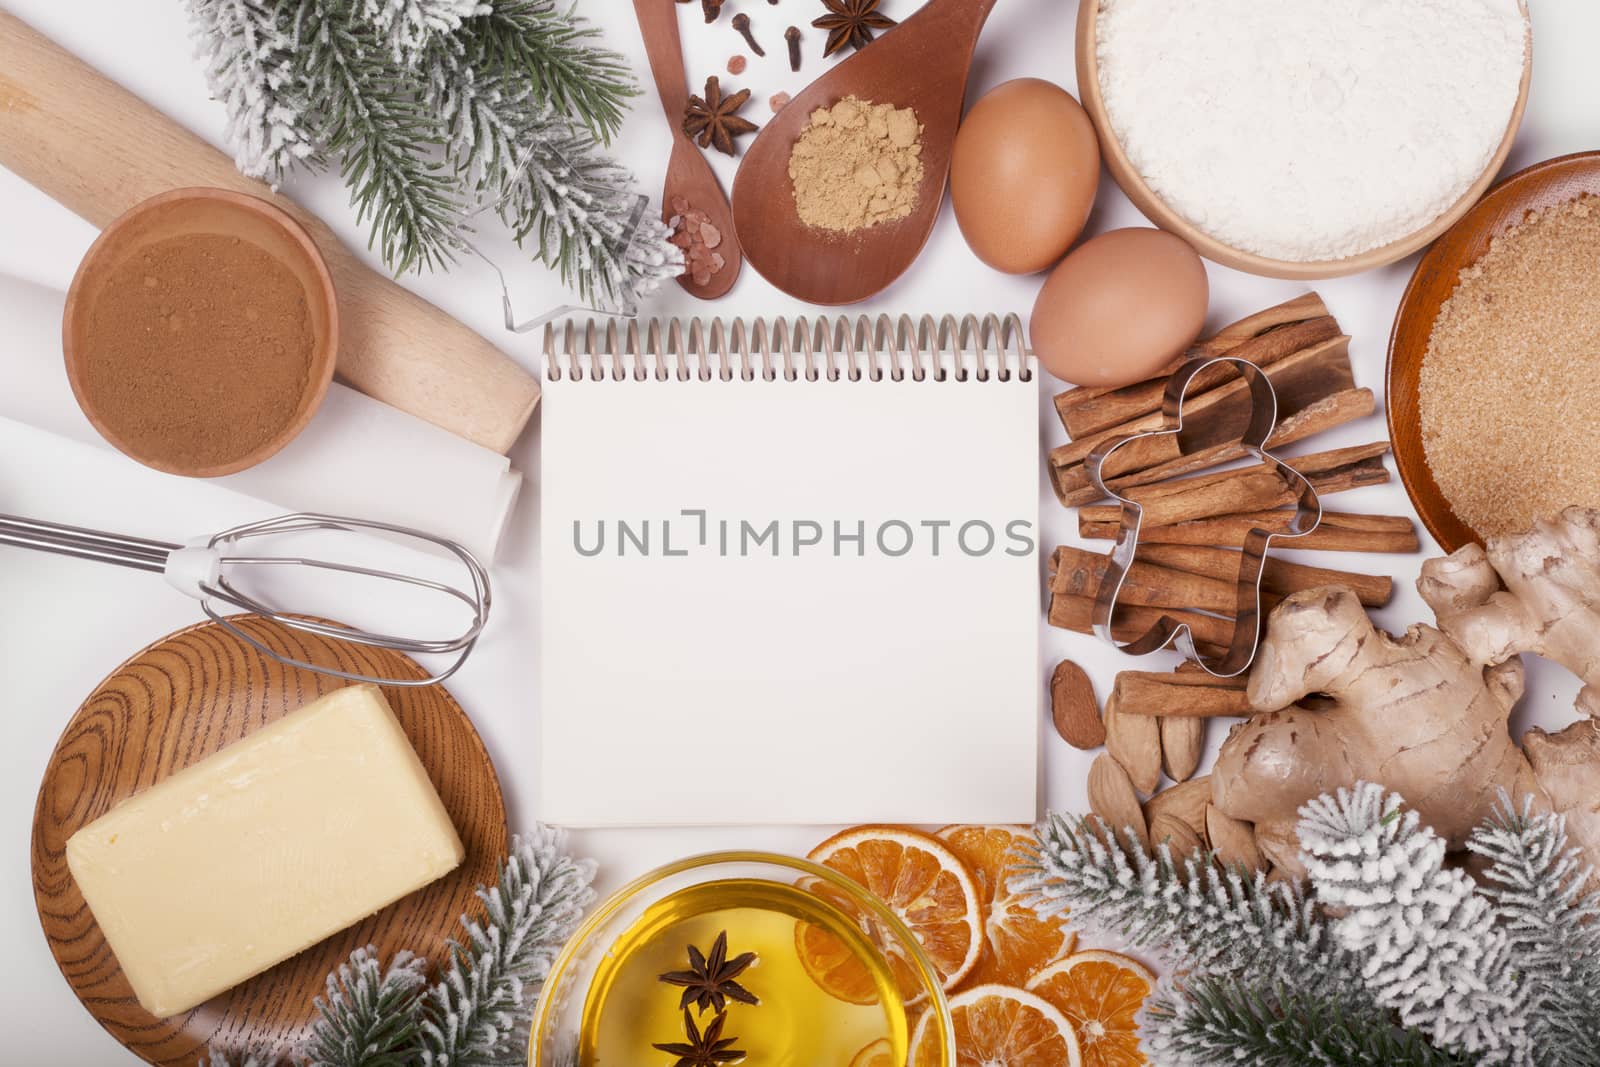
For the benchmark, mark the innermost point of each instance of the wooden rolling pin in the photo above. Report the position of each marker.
(99, 150)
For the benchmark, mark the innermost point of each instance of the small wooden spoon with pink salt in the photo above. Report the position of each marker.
(692, 201)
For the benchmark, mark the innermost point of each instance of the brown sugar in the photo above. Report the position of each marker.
(1510, 385)
(196, 351)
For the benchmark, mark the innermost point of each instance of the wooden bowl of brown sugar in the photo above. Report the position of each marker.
(1509, 301)
(200, 332)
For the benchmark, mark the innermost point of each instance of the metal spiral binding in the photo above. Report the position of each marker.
(831, 347)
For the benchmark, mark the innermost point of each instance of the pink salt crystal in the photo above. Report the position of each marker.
(702, 275)
(717, 262)
(680, 205)
(778, 102)
(710, 235)
(736, 64)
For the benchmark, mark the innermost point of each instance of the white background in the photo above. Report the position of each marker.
(64, 624)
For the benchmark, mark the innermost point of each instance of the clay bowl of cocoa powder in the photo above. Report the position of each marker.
(200, 332)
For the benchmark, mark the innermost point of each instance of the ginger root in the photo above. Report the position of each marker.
(1549, 603)
(1567, 765)
(1415, 714)
(1427, 714)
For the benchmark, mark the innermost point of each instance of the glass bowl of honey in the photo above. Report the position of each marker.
(743, 958)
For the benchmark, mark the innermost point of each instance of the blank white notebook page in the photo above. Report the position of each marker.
(789, 601)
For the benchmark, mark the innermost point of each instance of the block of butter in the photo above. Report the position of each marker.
(306, 826)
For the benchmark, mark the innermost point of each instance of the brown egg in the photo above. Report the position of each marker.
(1121, 307)
(1023, 175)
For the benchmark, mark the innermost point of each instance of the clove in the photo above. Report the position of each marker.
(741, 22)
(792, 35)
(712, 8)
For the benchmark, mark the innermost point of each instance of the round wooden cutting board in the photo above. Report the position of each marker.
(177, 702)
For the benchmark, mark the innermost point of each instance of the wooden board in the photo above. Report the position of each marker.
(1543, 185)
(1127, 176)
(173, 704)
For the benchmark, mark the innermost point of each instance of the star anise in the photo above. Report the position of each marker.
(714, 121)
(851, 22)
(709, 1049)
(709, 982)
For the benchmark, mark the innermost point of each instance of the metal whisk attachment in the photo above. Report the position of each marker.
(212, 570)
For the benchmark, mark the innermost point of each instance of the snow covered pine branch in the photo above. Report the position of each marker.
(1419, 966)
(435, 109)
(479, 1011)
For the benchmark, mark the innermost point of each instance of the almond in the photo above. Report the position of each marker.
(1074, 708)
(1112, 797)
(1186, 801)
(1183, 741)
(1135, 741)
(1281, 848)
(1234, 841)
(1178, 835)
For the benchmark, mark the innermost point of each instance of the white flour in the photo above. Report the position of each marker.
(1310, 129)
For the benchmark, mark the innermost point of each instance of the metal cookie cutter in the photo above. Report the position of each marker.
(1246, 637)
(625, 303)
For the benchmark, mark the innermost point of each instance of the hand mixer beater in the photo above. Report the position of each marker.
(211, 571)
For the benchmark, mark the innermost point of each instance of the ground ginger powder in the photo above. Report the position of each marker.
(857, 164)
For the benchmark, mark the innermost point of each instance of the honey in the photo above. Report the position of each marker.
(827, 992)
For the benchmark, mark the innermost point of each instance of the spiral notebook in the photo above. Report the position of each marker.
(789, 573)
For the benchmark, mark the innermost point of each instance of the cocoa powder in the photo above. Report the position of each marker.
(197, 350)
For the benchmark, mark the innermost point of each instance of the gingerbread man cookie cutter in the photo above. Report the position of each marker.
(1245, 639)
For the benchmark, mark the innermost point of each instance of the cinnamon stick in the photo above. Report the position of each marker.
(1076, 613)
(1086, 415)
(1079, 572)
(1176, 696)
(1306, 306)
(1338, 532)
(1194, 674)
(1355, 466)
(1202, 578)
(1071, 404)
(1156, 459)
(1278, 576)
(1260, 487)
(1218, 415)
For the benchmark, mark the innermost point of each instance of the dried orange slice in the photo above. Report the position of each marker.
(923, 883)
(1018, 944)
(878, 1054)
(1101, 993)
(998, 1026)
(830, 962)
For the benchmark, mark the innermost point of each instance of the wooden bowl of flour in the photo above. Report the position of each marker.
(1162, 214)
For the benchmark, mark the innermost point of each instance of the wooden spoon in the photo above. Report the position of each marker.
(689, 176)
(923, 63)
